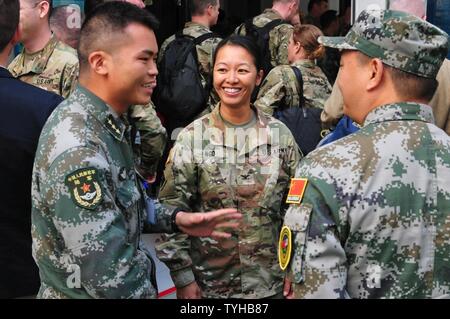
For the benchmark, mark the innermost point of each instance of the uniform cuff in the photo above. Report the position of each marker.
(183, 277)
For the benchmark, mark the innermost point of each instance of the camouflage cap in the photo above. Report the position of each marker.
(400, 40)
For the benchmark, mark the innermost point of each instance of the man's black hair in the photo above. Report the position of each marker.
(9, 21)
(107, 20)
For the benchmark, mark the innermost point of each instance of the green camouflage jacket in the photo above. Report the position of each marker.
(54, 68)
(210, 172)
(150, 140)
(281, 88)
(278, 36)
(375, 218)
(205, 53)
(87, 206)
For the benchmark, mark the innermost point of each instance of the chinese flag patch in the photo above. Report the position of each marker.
(296, 190)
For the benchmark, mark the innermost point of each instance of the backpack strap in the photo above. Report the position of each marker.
(204, 37)
(272, 24)
(298, 75)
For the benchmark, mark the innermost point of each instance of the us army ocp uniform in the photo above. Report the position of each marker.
(87, 206)
(210, 172)
(278, 37)
(281, 88)
(54, 68)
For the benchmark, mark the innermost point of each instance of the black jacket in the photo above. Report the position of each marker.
(23, 112)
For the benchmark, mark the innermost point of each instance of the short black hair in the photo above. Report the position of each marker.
(9, 21)
(197, 7)
(108, 20)
(327, 18)
(244, 42)
(313, 2)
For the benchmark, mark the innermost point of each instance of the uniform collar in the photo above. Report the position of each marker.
(305, 63)
(272, 14)
(40, 62)
(400, 112)
(199, 26)
(261, 126)
(115, 124)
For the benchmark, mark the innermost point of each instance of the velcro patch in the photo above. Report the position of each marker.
(84, 187)
(296, 190)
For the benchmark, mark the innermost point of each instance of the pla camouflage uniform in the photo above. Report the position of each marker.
(281, 88)
(278, 37)
(244, 266)
(54, 68)
(150, 140)
(205, 53)
(87, 206)
(375, 218)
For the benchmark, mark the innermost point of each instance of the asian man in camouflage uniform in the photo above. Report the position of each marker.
(45, 61)
(87, 203)
(374, 219)
(279, 36)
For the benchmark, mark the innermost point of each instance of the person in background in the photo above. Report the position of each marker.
(65, 23)
(281, 89)
(45, 61)
(315, 10)
(330, 62)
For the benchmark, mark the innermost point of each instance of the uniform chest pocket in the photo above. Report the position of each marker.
(127, 194)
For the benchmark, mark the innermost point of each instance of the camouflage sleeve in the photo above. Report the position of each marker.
(272, 92)
(334, 108)
(92, 229)
(318, 263)
(281, 43)
(180, 190)
(69, 79)
(153, 138)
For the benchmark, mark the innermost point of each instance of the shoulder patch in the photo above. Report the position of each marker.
(296, 190)
(284, 247)
(84, 187)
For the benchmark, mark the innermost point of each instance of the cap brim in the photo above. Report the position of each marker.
(336, 42)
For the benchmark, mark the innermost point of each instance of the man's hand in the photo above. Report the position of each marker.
(288, 292)
(208, 224)
(191, 291)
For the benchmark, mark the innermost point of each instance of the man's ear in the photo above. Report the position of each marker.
(44, 9)
(100, 62)
(376, 71)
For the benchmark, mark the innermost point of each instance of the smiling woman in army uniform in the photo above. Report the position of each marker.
(233, 157)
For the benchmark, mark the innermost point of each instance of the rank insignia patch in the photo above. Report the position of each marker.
(85, 188)
(296, 190)
(284, 247)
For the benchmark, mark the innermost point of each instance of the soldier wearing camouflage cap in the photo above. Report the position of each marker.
(87, 203)
(369, 213)
(45, 61)
(440, 103)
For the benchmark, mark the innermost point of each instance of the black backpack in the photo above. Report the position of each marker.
(179, 95)
(304, 123)
(261, 36)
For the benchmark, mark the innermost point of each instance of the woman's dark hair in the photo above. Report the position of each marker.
(244, 42)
